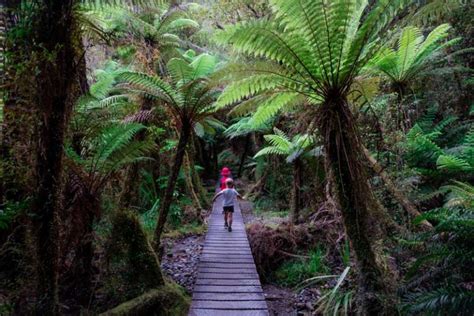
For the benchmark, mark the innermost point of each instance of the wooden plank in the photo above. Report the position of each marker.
(228, 270)
(214, 312)
(224, 258)
(229, 305)
(227, 281)
(226, 255)
(227, 289)
(228, 260)
(226, 265)
(227, 250)
(222, 252)
(229, 296)
(214, 275)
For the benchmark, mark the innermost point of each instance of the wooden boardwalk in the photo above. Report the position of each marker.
(227, 282)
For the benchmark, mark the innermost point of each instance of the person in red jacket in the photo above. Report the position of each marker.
(225, 174)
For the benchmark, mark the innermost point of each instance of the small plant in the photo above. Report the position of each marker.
(345, 253)
(337, 301)
(295, 271)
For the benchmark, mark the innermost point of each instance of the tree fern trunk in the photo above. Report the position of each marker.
(244, 155)
(295, 205)
(363, 218)
(173, 177)
(52, 25)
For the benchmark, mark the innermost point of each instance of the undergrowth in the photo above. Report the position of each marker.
(293, 272)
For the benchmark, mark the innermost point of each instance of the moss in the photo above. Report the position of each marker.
(186, 230)
(166, 300)
(129, 244)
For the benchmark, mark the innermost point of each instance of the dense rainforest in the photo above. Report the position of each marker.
(347, 125)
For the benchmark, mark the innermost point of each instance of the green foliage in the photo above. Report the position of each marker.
(188, 97)
(280, 144)
(295, 271)
(112, 149)
(12, 209)
(245, 126)
(311, 48)
(442, 274)
(424, 151)
(337, 301)
(447, 300)
(437, 10)
(414, 54)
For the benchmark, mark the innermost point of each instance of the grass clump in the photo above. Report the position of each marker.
(185, 230)
(293, 272)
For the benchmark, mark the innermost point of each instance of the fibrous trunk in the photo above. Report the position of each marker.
(56, 66)
(295, 205)
(363, 218)
(173, 177)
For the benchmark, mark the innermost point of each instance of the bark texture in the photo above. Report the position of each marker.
(363, 218)
(184, 136)
(56, 68)
(295, 203)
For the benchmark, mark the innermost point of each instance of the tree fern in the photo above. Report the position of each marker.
(314, 50)
(188, 96)
(414, 54)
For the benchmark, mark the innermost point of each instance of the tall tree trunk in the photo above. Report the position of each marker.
(362, 215)
(53, 24)
(197, 181)
(244, 155)
(189, 182)
(295, 203)
(184, 135)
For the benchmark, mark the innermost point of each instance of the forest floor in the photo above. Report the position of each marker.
(181, 258)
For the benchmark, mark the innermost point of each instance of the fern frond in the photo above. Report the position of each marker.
(272, 150)
(152, 86)
(274, 104)
(453, 164)
(446, 300)
(114, 139)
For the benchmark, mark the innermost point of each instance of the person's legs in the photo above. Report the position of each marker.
(225, 218)
(230, 217)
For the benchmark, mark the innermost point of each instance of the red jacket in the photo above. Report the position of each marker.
(225, 174)
(223, 185)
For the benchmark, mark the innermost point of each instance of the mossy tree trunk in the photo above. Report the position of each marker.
(129, 243)
(53, 24)
(363, 218)
(184, 136)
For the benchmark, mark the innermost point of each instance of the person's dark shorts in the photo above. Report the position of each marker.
(229, 209)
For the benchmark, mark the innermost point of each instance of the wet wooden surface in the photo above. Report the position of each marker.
(227, 282)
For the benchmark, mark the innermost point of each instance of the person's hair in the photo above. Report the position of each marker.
(229, 182)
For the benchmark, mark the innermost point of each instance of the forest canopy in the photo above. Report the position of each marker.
(347, 127)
